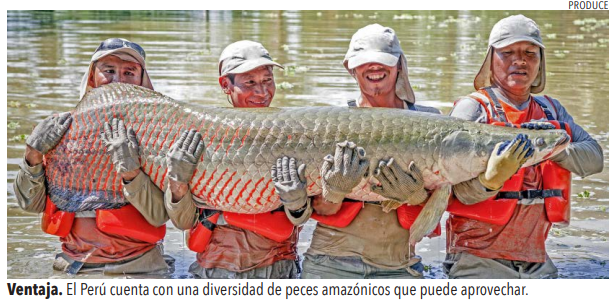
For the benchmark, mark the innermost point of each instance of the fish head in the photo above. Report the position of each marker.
(546, 144)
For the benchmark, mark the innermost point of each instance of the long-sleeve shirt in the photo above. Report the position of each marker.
(523, 236)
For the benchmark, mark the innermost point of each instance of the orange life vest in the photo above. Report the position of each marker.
(125, 221)
(273, 225)
(54, 221)
(199, 235)
(556, 187)
(345, 215)
(128, 221)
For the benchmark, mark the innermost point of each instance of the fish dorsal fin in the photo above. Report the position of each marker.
(114, 93)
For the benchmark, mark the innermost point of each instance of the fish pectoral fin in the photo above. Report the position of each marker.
(430, 215)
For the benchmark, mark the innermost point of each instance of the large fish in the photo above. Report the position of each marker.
(233, 174)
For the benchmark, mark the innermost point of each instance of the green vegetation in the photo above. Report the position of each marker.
(13, 125)
(584, 194)
(285, 85)
(19, 138)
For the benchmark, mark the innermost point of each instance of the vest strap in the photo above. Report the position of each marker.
(547, 112)
(497, 105)
(530, 194)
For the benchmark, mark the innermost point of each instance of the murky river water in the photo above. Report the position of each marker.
(48, 53)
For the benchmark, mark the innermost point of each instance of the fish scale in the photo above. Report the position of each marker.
(243, 144)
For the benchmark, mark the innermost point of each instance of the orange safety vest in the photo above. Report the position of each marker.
(406, 214)
(199, 235)
(273, 225)
(125, 221)
(556, 183)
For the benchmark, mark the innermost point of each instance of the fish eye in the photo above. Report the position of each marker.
(539, 142)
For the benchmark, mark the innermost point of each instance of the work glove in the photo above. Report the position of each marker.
(183, 156)
(506, 159)
(396, 184)
(343, 171)
(122, 145)
(538, 125)
(290, 183)
(48, 133)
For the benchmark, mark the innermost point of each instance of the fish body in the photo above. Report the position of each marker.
(233, 173)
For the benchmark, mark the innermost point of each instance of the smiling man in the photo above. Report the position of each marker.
(262, 246)
(479, 246)
(371, 243)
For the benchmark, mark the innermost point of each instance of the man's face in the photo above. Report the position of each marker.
(111, 69)
(376, 79)
(516, 66)
(254, 88)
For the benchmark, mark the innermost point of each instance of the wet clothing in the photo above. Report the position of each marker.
(374, 236)
(333, 267)
(523, 237)
(283, 269)
(467, 266)
(85, 242)
(234, 252)
(374, 244)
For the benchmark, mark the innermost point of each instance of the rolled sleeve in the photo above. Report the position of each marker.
(147, 198)
(30, 187)
(183, 213)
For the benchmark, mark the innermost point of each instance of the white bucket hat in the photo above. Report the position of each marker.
(507, 31)
(379, 44)
(243, 56)
(125, 50)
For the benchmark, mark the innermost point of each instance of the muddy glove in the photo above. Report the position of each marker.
(290, 183)
(122, 145)
(538, 125)
(183, 156)
(505, 161)
(398, 185)
(48, 133)
(343, 171)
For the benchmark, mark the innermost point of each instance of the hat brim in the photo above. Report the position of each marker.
(126, 50)
(509, 41)
(251, 65)
(372, 57)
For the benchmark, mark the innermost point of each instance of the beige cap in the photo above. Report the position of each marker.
(243, 56)
(125, 50)
(507, 31)
(379, 44)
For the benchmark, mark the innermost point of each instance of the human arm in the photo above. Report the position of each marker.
(290, 184)
(584, 156)
(138, 189)
(30, 181)
(182, 160)
(505, 160)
